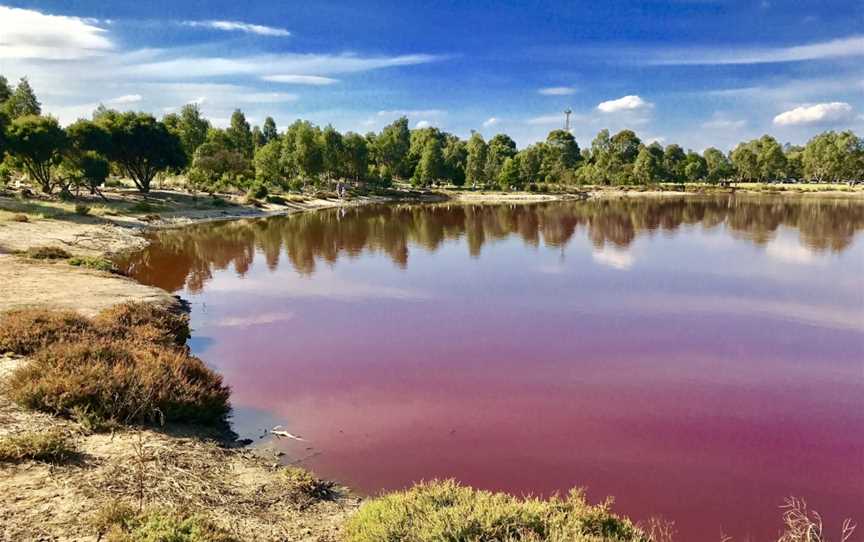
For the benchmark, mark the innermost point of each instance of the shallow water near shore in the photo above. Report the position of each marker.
(698, 358)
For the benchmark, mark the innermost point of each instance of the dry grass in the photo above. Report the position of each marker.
(804, 525)
(122, 381)
(438, 511)
(51, 446)
(120, 522)
(48, 253)
(26, 331)
(144, 322)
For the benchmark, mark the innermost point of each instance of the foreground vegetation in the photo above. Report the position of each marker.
(128, 365)
(431, 512)
(260, 161)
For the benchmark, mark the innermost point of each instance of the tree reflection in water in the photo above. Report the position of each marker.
(187, 257)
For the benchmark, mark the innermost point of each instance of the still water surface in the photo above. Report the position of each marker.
(699, 359)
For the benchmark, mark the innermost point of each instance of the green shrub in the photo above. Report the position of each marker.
(92, 262)
(51, 446)
(120, 522)
(441, 511)
(122, 381)
(26, 331)
(82, 210)
(146, 323)
(47, 253)
(277, 200)
(257, 191)
(216, 201)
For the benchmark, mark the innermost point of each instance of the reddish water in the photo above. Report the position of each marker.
(700, 360)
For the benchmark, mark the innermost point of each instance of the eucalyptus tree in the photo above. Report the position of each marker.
(141, 146)
(38, 143)
(392, 145)
(475, 163)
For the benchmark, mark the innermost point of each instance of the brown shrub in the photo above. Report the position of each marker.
(144, 323)
(25, 331)
(20, 218)
(123, 381)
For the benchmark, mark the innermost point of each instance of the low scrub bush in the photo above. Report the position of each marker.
(122, 381)
(82, 210)
(26, 331)
(49, 446)
(445, 510)
(277, 200)
(305, 488)
(120, 522)
(48, 253)
(144, 323)
(20, 218)
(92, 262)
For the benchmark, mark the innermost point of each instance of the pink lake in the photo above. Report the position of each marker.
(698, 359)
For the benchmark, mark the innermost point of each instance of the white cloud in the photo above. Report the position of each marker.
(625, 103)
(721, 122)
(126, 99)
(270, 64)
(255, 319)
(491, 121)
(235, 26)
(852, 46)
(26, 33)
(422, 124)
(613, 257)
(815, 114)
(315, 80)
(557, 91)
(790, 251)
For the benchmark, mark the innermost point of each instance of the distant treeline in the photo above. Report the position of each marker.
(261, 159)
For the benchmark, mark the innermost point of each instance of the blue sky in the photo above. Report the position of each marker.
(697, 72)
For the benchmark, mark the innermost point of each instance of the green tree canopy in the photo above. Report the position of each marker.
(39, 144)
(647, 168)
(430, 169)
(142, 146)
(475, 164)
(22, 102)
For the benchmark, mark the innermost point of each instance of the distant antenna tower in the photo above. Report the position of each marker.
(567, 113)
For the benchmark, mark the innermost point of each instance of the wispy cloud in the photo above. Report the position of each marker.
(236, 26)
(491, 121)
(626, 103)
(27, 34)
(423, 124)
(815, 114)
(187, 67)
(315, 80)
(411, 113)
(721, 122)
(557, 91)
(125, 99)
(852, 46)
(546, 119)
